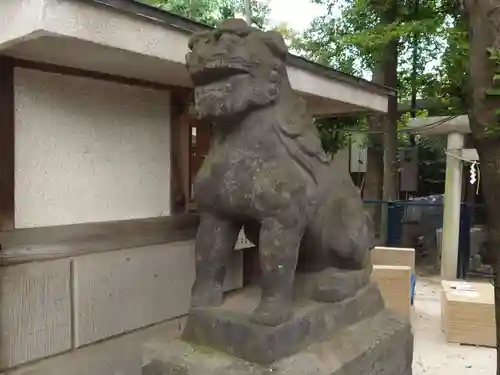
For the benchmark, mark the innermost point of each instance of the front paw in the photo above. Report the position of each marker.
(206, 294)
(272, 312)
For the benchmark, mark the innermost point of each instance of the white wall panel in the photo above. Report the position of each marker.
(89, 150)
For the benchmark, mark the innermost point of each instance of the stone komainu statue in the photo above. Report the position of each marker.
(267, 173)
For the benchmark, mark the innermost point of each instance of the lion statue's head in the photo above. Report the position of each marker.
(235, 69)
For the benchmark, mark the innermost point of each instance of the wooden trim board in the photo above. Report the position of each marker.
(48, 243)
(77, 72)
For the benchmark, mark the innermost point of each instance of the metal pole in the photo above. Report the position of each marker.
(248, 12)
(451, 214)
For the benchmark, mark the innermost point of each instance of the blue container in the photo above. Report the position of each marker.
(412, 286)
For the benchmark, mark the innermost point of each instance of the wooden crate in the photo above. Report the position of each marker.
(447, 286)
(468, 316)
(394, 283)
(393, 256)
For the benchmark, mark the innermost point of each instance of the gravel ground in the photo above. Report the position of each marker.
(432, 354)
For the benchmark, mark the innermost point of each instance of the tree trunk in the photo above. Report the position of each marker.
(483, 34)
(390, 188)
(390, 68)
(382, 169)
(374, 177)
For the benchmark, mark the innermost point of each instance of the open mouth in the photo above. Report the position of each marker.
(208, 75)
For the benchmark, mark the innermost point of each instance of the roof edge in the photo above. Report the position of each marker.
(186, 25)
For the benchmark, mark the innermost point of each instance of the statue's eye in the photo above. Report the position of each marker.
(217, 35)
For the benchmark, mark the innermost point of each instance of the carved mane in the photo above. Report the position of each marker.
(300, 137)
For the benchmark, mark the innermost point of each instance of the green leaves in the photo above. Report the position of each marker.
(210, 12)
(334, 133)
(350, 37)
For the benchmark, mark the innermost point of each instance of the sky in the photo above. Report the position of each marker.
(298, 14)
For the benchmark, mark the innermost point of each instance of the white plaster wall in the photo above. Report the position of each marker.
(89, 150)
(28, 19)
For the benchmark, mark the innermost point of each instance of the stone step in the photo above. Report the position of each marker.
(228, 329)
(381, 344)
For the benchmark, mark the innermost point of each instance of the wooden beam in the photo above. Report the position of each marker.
(48, 243)
(77, 72)
(6, 143)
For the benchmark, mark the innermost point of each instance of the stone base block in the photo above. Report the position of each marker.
(379, 345)
(228, 329)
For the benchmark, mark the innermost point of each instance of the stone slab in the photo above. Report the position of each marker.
(120, 355)
(36, 311)
(124, 290)
(379, 345)
(228, 329)
(120, 291)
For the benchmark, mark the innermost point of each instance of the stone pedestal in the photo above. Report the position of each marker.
(357, 336)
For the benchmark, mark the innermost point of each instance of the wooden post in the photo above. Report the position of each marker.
(6, 143)
(7, 147)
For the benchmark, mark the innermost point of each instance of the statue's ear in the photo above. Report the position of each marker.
(235, 26)
(275, 42)
(196, 37)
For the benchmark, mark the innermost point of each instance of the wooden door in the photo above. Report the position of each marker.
(200, 144)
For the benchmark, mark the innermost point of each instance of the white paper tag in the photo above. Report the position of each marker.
(464, 287)
(461, 285)
(466, 293)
